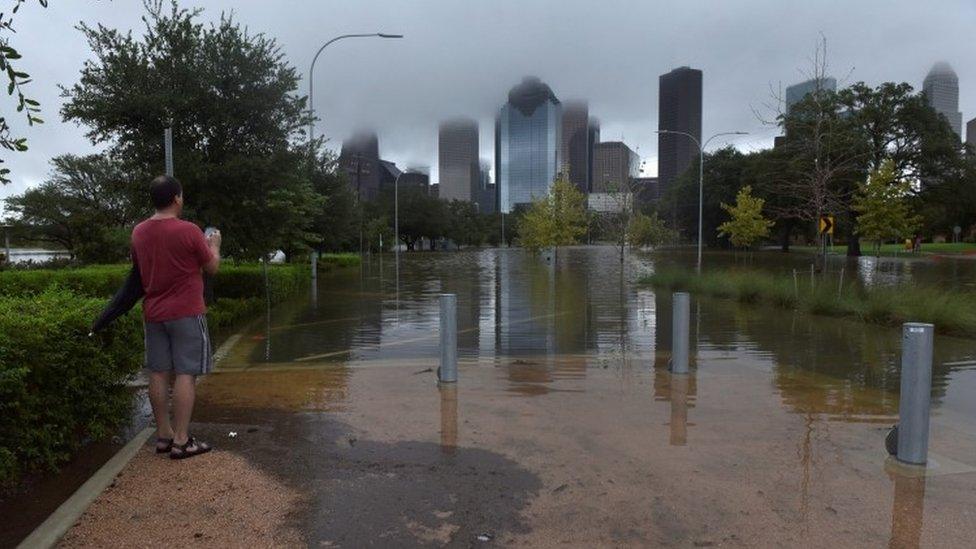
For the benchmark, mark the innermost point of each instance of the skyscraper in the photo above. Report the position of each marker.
(530, 138)
(679, 109)
(941, 87)
(576, 145)
(615, 165)
(796, 92)
(360, 160)
(457, 160)
(971, 133)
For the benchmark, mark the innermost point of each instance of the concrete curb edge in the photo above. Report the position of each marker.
(50, 531)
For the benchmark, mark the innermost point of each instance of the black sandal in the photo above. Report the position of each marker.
(168, 442)
(180, 451)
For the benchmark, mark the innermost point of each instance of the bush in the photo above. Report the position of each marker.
(232, 281)
(59, 387)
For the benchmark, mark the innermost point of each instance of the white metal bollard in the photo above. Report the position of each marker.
(681, 321)
(916, 392)
(447, 373)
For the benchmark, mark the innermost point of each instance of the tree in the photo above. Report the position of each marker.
(883, 209)
(336, 222)
(421, 215)
(614, 224)
(86, 206)
(556, 219)
(230, 98)
(746, 224)
(464, 225)
(648, 230)
(16, 80)
(724, 173)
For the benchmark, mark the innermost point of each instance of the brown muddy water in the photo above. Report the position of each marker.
(775, 439)
(566, 427)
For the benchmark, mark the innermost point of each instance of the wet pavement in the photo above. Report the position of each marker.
(565, 426)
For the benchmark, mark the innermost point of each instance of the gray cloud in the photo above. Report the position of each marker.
(461, 58)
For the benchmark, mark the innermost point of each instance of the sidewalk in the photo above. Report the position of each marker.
(534, 453)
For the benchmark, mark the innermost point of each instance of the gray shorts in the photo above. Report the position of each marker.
(181, 345)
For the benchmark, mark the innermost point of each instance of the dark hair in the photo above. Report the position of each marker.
(164, 190)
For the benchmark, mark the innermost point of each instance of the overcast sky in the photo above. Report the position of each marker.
(462, 57)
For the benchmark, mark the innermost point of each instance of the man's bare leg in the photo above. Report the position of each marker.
(159, 398)
(184, 393)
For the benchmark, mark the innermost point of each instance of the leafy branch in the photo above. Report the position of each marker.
(16, 80)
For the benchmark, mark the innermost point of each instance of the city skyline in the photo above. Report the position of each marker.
(447, 69)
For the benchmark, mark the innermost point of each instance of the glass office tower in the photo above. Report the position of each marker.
(529, 139)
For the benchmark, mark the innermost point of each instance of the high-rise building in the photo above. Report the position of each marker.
(941, 87)
(414, 179)
(576, 149)
(485, 196)
(593, 137)
(647, 190)
(359, 159)
(679, 110)
(530, 138)
(615, 165)
(971, 133)
(796, 92)
(457, 160)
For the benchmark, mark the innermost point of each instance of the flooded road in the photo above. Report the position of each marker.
(565, 426)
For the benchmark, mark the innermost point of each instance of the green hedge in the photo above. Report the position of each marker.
(58, 387)
(233, 281)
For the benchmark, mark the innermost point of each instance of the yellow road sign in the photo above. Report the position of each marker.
(826, 224)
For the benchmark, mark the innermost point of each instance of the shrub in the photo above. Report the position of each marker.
(58, 386)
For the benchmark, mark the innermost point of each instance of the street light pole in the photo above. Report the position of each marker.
(701, 178)
(311, 73)
(396, 229)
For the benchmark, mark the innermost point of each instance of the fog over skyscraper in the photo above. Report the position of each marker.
(457, 160)
(360, 160)
(941, 87)
(679, 109)
(530, 138)
(796, 92)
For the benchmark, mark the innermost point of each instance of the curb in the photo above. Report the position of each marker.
(50, 531)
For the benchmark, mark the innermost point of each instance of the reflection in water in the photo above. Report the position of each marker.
(907, 510)
(449, 417)
(544, 322)
(679, 409)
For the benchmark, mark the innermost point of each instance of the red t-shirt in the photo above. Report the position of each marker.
(170, 254)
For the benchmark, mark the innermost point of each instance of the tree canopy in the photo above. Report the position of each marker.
(556, 219)
(229, 96)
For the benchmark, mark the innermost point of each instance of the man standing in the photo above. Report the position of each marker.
(170, 254)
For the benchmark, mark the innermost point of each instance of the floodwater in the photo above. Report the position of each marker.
(24, 255)
(775, 438)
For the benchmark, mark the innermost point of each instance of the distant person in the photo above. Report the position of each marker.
(170, 254)
(917, 244)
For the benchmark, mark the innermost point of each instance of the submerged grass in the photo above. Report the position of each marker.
(952, 312)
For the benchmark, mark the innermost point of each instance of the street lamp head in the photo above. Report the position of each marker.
(384, 35)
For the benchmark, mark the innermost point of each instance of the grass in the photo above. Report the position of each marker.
(898, 250)
(339, 260)
(951, 312)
